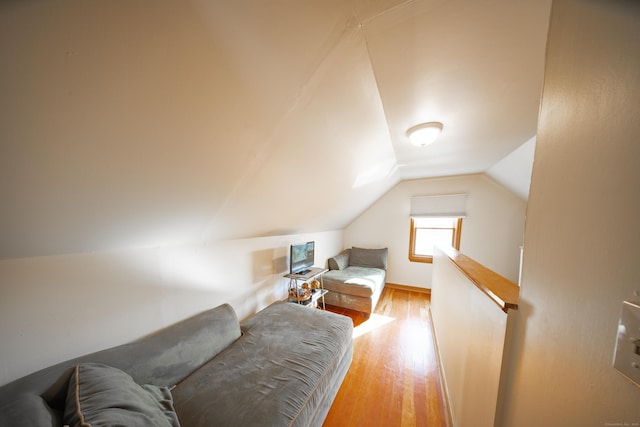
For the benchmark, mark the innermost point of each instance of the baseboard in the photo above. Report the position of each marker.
(408, 288)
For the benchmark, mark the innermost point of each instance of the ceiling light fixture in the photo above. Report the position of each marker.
(424, 134)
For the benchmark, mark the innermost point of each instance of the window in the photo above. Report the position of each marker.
(433, 231)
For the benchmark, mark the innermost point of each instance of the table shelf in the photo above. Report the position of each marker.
(297, 280)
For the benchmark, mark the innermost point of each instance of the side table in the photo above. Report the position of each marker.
(297, 280)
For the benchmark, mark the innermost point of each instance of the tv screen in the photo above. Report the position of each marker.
(302, 257)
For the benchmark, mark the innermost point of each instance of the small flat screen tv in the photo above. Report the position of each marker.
(302, 257)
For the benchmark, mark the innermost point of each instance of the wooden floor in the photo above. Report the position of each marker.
(394, 378)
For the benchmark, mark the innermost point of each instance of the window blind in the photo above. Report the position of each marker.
(446, 205)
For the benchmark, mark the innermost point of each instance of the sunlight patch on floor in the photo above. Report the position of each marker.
(375, 321)
(413, 335)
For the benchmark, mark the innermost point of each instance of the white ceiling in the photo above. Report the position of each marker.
(127, 124)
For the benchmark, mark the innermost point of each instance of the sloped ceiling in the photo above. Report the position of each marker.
(514, 171)
(127, 124)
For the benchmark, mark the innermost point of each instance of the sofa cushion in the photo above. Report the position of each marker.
(102, 395)
(29, 410)
(354, 280)
(167, 356)
(376, 258)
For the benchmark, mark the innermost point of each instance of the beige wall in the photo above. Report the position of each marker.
(582, 234)
(491, 233)
(54, 308)
(470, 330)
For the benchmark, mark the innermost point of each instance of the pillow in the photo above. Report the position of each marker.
(340, 261)
(100, 395)
(28, 410)
(376, 258)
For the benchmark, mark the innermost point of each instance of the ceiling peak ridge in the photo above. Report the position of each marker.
(363, 22)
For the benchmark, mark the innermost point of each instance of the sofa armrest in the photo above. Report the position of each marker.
(340, 261)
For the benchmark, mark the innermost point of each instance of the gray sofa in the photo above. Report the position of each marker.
(281, 367)
(356, 278)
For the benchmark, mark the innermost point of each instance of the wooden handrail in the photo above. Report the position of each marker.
(501, 290)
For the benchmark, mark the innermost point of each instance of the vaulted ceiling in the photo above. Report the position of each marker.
(127, 124)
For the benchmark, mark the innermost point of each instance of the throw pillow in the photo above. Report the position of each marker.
(376, 258)
(101, 395)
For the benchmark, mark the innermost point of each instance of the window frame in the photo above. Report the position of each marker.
(455, 240)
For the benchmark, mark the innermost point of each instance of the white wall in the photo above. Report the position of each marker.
(54, 308)
(491, 233)
(582, 237)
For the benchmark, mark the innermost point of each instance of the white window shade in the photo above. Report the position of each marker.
(448, 205)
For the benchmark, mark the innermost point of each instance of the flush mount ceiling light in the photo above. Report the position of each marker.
(424, 134)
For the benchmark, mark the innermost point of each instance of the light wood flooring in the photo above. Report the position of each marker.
(394, 378)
